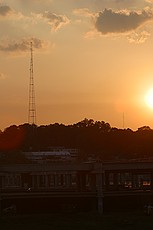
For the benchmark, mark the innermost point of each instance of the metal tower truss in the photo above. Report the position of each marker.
(32, 106)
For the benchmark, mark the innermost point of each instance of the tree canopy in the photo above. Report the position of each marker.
(90, 137)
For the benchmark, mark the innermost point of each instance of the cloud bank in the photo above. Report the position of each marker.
(110, 21)
(22, 45)
(5, 11)
(83, 12)
(56, 21)
(150, 1)
(138, 37)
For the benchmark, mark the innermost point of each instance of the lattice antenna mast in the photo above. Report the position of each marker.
(32, 106)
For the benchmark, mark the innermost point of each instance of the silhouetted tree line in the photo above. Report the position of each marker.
(96, 138)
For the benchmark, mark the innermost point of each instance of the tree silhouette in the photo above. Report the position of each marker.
(96, 138)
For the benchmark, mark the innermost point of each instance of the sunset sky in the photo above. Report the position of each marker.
(92, 59)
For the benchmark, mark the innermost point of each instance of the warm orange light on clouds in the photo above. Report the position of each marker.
(91, 59)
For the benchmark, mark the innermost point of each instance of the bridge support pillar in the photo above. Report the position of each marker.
(0, 206)
(100, 190)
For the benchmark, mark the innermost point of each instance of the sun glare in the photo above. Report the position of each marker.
(149, 98)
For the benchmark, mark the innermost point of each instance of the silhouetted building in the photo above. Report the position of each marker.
(79, 186)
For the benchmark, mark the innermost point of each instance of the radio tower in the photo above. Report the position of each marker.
(32, 107)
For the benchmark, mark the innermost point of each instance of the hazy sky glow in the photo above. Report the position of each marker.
(92, 59)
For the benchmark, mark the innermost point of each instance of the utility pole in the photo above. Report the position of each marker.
(32, 107)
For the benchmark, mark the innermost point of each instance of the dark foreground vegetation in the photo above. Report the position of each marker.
(113, 221)
(96, 138)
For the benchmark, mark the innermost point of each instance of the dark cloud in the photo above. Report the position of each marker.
(5, 10)
(110, 21)
(56, 21)
(22, 46)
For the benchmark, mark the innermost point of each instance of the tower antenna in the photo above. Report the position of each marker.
(32, 107)
(123, 121)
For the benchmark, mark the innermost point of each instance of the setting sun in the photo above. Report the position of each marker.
(149, 98)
